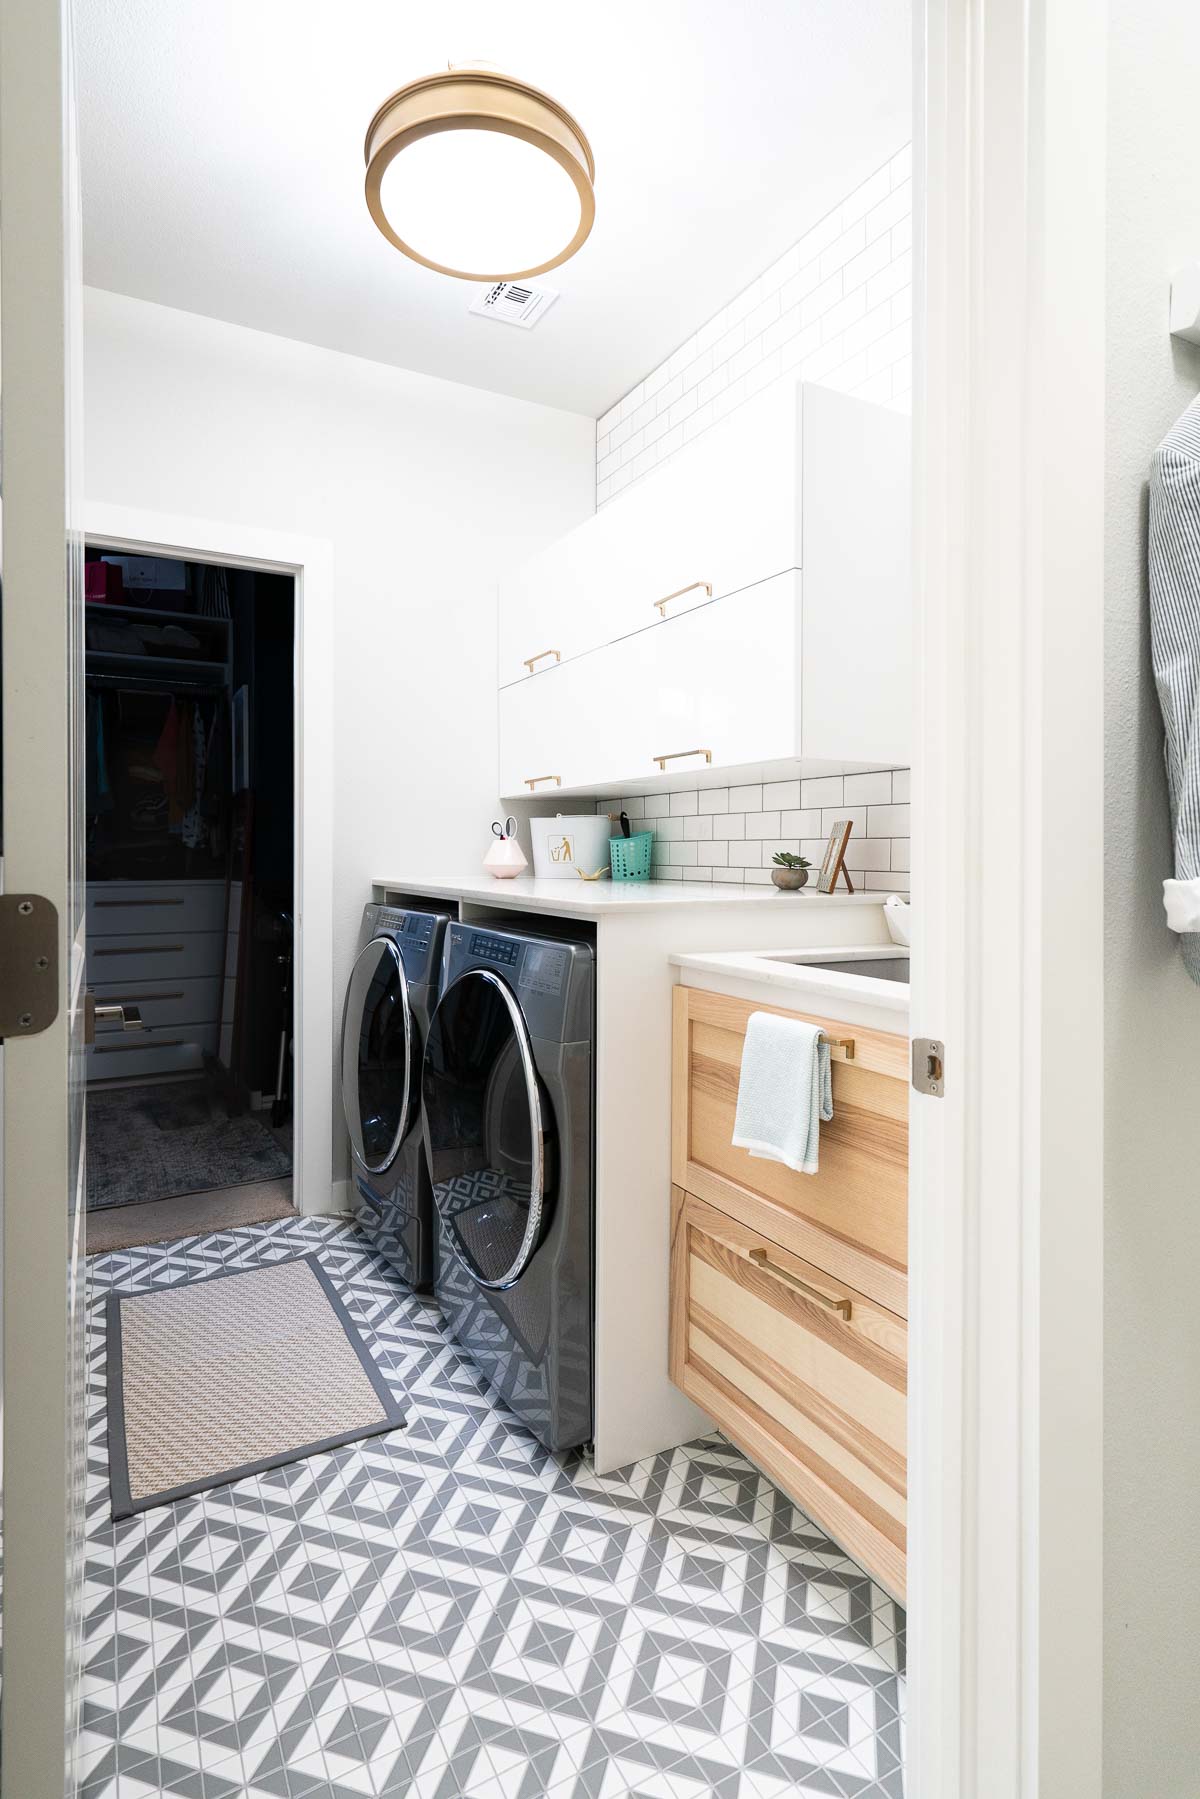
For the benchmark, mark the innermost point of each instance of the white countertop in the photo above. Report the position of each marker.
(763, 974)
(595, 899)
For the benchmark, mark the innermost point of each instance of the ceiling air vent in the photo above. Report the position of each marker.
(514, 303)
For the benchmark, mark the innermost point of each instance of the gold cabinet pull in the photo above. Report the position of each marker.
(762, 1260)
(678, 595)
(532, 661)
(674, 756)
(532, 781)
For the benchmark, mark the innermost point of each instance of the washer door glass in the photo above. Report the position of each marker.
(378, 1056)
(487, 1129)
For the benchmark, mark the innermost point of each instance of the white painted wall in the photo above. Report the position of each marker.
(428, 491)
(1152, 1009)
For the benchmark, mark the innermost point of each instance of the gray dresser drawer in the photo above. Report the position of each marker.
(167, 1049)
(154, 956)
(116, 908)
(191, 1001)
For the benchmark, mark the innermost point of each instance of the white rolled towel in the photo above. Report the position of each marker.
(1182, 902)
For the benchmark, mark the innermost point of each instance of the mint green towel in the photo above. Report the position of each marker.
(784, 1093)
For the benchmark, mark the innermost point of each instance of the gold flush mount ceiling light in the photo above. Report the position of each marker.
(479, 176)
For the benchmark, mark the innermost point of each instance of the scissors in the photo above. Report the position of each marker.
(505, 830)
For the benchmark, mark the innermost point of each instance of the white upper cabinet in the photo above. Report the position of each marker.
(796, 514)
(719, 516)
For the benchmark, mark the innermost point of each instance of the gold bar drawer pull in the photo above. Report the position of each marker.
(676, 755)
(532, 781)
(531, 662)
(762, 1260)
(661, 605)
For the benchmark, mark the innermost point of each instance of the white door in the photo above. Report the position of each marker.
(42, 624)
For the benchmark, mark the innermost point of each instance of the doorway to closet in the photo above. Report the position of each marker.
(190, 838)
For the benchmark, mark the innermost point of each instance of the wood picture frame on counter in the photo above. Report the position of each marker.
(834, 863)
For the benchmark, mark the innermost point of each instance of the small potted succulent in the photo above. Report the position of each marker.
(790, 872)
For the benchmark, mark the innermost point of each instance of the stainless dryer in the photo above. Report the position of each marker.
(392, 990)
(508, 1110)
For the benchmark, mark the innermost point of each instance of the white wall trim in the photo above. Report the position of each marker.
(310, 561)
(1007, 1187)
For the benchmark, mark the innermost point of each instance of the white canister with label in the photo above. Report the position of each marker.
(569, 847)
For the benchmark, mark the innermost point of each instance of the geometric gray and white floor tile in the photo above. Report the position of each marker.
(450, 1612)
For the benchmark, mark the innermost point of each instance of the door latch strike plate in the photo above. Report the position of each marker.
(28, 964)
(929, 1066)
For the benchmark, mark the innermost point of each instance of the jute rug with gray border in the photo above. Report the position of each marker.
(221, 1378)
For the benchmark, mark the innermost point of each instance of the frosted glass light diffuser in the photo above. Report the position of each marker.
(479, 176)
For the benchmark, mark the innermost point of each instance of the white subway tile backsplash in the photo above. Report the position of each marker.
(825, 790)
(745, 855)
(801, 824)
(745, 799)
(868, 790)
(888, 821)
(733, 832)
(836, 307)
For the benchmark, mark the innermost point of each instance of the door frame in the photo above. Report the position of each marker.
(1006, 1329)
(309, 560)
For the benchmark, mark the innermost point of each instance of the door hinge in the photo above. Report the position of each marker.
(28, 964)
(929, 1066)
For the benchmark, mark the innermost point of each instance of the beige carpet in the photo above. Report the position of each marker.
(187, 1215)
(225, 1377)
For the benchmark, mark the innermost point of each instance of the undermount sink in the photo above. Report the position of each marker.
(870, 965)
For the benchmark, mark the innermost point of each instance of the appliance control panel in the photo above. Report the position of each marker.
(500, 950)
(416, 926)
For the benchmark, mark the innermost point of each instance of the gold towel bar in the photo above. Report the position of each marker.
(841, 1049)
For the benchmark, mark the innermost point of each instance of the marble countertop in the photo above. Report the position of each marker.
(595, 899)
(787, 977)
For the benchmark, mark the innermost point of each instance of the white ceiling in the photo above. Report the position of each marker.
(223, 168)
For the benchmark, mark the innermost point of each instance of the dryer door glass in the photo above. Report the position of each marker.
(487, 1129)
(378, 1056)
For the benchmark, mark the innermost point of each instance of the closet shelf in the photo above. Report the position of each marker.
(156, 665)
(122, 609)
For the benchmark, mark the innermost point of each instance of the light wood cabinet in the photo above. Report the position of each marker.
(783, 536)
(789, 1291)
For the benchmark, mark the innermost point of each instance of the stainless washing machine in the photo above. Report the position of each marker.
(392, 991)
(508, 1109)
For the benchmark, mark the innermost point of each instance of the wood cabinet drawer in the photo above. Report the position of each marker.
(119, 907)
(851, 1218)
(817, 1398)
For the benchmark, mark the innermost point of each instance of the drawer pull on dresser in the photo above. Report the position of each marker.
(762, 1260)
